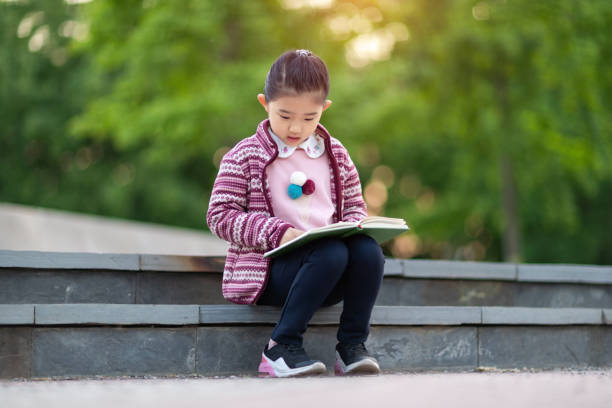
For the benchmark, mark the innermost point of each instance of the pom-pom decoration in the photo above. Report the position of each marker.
(298, 178)
(309, 187)
(300, 185)
(294, 191)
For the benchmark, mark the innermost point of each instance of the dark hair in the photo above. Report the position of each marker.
(296, 72)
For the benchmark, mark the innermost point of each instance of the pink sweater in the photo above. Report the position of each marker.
(240, 210)
(308, 211)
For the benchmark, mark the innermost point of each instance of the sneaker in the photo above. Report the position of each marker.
(288, 360)
(354, 359)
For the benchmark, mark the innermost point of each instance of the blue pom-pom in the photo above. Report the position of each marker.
(294, 191)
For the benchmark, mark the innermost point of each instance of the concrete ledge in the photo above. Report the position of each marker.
(545, 347)
(565, 273)
(607, 316)
(394, 267)
(425, 315)
(66, 286)
(214, 350)
(176, 263)
(381, 315)
(178, 315)
(67, 260)
(84, 314)
(113, 351)
(238, 314)
(413, 269)
(396, 348)
(16, 315)
(245, 314)
(15, 352)
(406, 344)
(541, 316)
(105, 261)
(455, 269)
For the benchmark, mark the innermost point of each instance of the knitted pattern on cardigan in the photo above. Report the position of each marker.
(240, 211)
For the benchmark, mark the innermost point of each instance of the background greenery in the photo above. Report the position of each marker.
(485, 124)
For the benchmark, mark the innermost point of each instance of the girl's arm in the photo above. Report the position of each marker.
(354, 209)
(228, 216)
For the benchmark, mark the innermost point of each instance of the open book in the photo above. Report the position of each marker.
(380, 228)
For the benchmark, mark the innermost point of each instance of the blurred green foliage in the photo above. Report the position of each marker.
(485, 124)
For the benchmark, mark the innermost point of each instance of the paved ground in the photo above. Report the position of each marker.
(591, 389)
(43, 229)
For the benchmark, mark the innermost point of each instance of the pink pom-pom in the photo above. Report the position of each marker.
(309, 187)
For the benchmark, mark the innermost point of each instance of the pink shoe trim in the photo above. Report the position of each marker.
(266, 368)
(338, 368)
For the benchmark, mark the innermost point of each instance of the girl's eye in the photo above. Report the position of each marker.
(284, 117)
(308, 120)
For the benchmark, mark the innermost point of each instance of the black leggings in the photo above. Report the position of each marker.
(324, 273)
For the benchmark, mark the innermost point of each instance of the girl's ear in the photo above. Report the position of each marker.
(326, 104)
(262, 100)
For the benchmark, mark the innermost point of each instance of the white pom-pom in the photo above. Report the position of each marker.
(298, 178)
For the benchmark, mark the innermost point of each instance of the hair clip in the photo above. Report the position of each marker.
(303, 53)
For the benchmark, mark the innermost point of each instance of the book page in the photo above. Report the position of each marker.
(380, 233)
(331, 227)
(382, 221)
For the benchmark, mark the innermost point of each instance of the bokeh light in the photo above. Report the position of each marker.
(375, 194)
(385, 174)
(426, 201)
(406, 246)
(296, 4)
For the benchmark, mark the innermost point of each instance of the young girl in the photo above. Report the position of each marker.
(289, 177)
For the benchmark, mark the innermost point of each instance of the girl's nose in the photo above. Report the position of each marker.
(295, 127)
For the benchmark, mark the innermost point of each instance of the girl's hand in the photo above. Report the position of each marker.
(290, 234)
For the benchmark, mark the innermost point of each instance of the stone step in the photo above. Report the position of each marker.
(173, 315)
(48, 277)
(71, 340)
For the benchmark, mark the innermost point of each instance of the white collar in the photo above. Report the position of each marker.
(314, 146)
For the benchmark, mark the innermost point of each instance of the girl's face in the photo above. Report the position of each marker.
(293, 118)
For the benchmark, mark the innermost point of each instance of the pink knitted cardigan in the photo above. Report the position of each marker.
(240, 211)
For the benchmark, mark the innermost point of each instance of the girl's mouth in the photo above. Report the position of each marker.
(293, 138)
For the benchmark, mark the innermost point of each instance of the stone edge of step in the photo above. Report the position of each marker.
(180, 315)
(400, 268)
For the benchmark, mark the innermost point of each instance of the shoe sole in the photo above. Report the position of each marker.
(363, 367)
(269, 368)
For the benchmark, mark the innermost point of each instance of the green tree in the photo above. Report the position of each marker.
(484, 123)
(175, 86)
(500, 112)
(40, 89)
